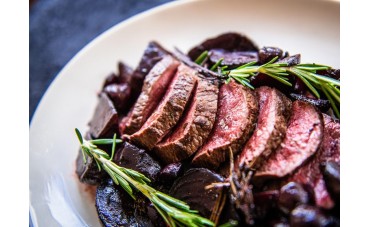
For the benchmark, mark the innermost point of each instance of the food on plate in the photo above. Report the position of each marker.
(236, 115)
(274, 112)
(193, 129)
(154, 88)
(228, 134)
(168, 111)
(328, 154)
(302, 140)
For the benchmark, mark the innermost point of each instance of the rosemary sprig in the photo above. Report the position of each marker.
(174, 212)
(281, 72)
(202, 58)
(231, 223)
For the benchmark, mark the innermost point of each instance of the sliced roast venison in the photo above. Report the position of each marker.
(196, 124)
(228, 41)
(152, 55)
(310, 173)
(155, 86)
(169, 111)
(303, 138)
(235, 120)
(274, 111)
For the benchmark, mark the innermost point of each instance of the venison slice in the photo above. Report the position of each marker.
(153, 53)
(303, 138)
(155, 86)
(310, 173)
(235, 121)
(169, 111)
(196, 124)
(274, 111)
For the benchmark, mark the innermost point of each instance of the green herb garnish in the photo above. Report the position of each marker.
(174, 212)
(281, 72)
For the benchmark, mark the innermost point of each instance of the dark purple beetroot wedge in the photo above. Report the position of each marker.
(274, 111)
(132, 157)
(322, 104)
(155, 86)
(123, 77)
(120, 96)
(228, 41)
(196, 124)
(310, 173)
(235, 120)
(102, 125)
(291, 60)
(170, 109)
(261, 79)
(232, 59)
(88, 172)
(266, 54)
(191, 188)
(105, 120)
(116, 208)
(303, 138)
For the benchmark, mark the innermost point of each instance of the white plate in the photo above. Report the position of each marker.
(57, 198)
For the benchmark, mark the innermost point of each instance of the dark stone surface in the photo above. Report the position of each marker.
(60, 28)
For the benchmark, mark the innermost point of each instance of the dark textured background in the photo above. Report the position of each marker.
(60, 28)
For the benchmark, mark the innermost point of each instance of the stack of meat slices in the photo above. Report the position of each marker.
(183, 114)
